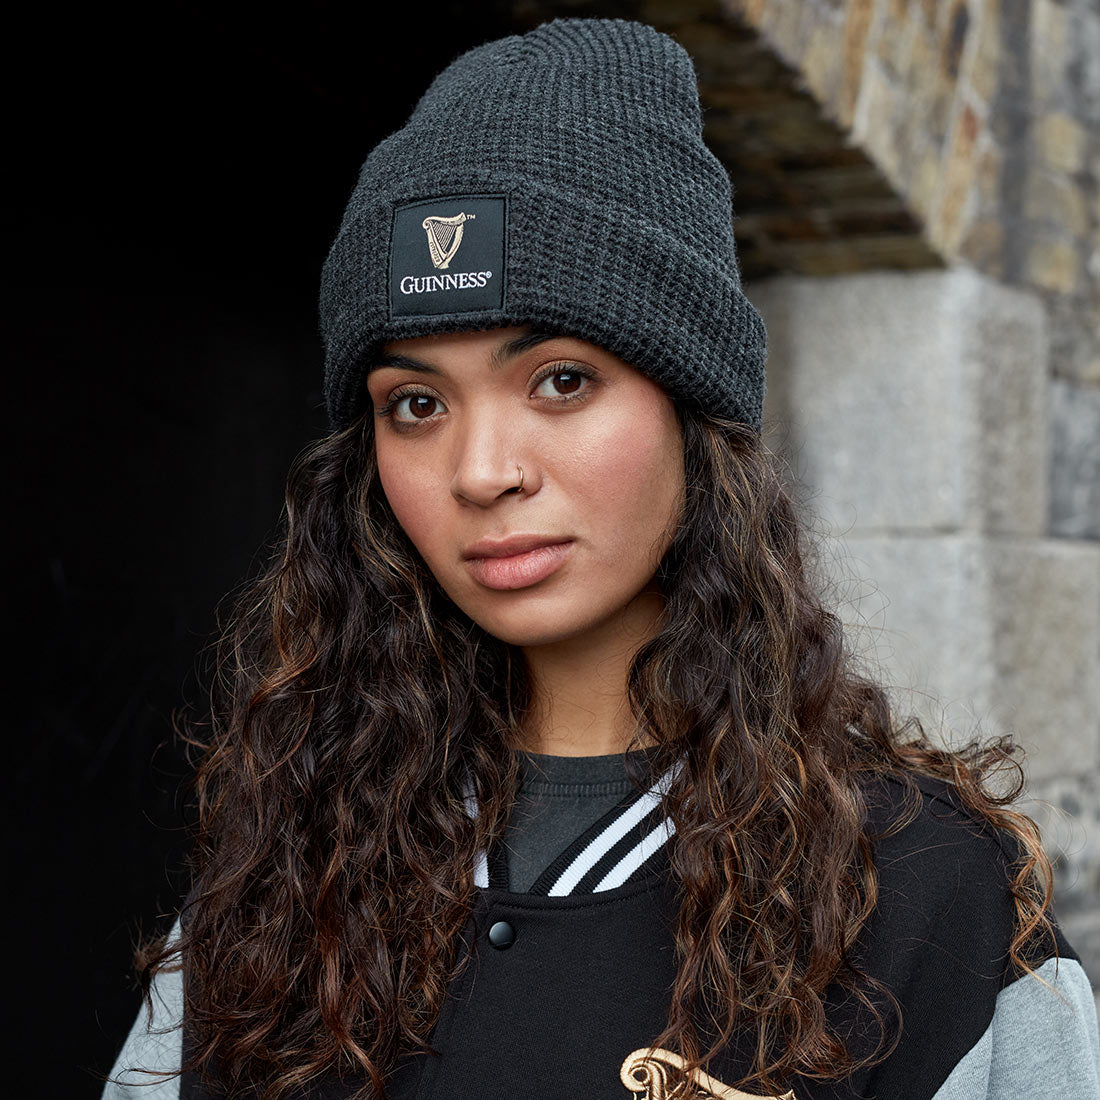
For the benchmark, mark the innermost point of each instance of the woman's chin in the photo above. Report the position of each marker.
(530, 625)
(527, 636)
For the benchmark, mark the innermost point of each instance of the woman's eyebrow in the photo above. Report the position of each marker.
(497, 361)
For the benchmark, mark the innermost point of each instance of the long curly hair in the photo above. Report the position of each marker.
(333, 864)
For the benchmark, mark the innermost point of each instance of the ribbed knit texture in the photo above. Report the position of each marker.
(559, 797)
(619, 217)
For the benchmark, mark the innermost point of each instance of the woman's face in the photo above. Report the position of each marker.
(600, 447)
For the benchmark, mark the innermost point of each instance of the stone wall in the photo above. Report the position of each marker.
(985, 117)
(918, 444)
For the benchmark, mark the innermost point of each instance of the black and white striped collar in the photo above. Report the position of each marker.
(620, 847)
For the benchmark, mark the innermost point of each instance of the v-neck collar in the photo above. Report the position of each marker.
(626, 845)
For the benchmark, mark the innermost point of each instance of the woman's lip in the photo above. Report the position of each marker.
(520, 570)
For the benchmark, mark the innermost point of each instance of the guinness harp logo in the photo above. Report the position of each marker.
(444, 237)
(658, 1074)
(456, 273)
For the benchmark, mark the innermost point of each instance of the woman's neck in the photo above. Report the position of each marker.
(579, 701)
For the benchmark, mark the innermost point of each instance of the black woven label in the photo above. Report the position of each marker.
(447, 255)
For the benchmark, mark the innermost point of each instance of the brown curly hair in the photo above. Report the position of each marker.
(333, 864)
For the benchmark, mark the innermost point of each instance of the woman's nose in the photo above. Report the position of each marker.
(490, 461)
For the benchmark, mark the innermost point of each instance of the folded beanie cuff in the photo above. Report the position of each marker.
(649, 299)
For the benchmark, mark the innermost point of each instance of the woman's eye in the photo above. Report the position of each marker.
(573, 384)
(420, 404)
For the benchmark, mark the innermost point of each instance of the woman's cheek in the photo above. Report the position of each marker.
(409, 500)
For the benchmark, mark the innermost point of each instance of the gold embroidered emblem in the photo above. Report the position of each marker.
(659, 1074)
(444, 236)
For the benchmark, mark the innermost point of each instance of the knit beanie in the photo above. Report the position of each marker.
(556, 178)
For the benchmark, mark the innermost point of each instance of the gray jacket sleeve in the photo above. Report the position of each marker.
(1041, 1041)
(145, 1049)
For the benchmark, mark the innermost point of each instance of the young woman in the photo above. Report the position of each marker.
(536, 766)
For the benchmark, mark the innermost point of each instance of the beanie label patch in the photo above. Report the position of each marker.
(447, 255)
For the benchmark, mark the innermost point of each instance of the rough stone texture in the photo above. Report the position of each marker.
(918, 399)
(981, 114)
(1067, 809)
(1075, 460)
(981, 636)
(1061, 142)
(916, 416)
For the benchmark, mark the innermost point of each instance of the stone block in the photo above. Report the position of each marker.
(1067, 810)
(858, 15)
(1090, 364)
(925, 181)
(987, 175)
(1044, 600)
(981, 636)
(1049, 24)
(1055, 199)
(874, 126)
(890, 41)
(1053, 263)
(1060, 141)
(819, 68)
(779, 22)
(984, 245)
(1003, 355)
(930, 91)
(897, 14)
(1075, 337)
(1075, 459)
(1048, 46)
(914, 57)
(1085, 61)
(956, 198)
(984, 71)
(911, 400)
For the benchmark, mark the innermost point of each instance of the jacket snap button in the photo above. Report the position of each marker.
(502, 935)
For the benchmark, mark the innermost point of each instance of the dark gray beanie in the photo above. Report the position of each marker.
(556, 178)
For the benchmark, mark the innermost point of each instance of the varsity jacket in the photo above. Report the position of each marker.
(570, 980)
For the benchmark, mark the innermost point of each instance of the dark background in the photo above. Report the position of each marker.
(178, 174)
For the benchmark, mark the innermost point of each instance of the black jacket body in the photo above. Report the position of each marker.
(566, 991)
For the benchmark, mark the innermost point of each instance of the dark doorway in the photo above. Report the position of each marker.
(179, 173)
